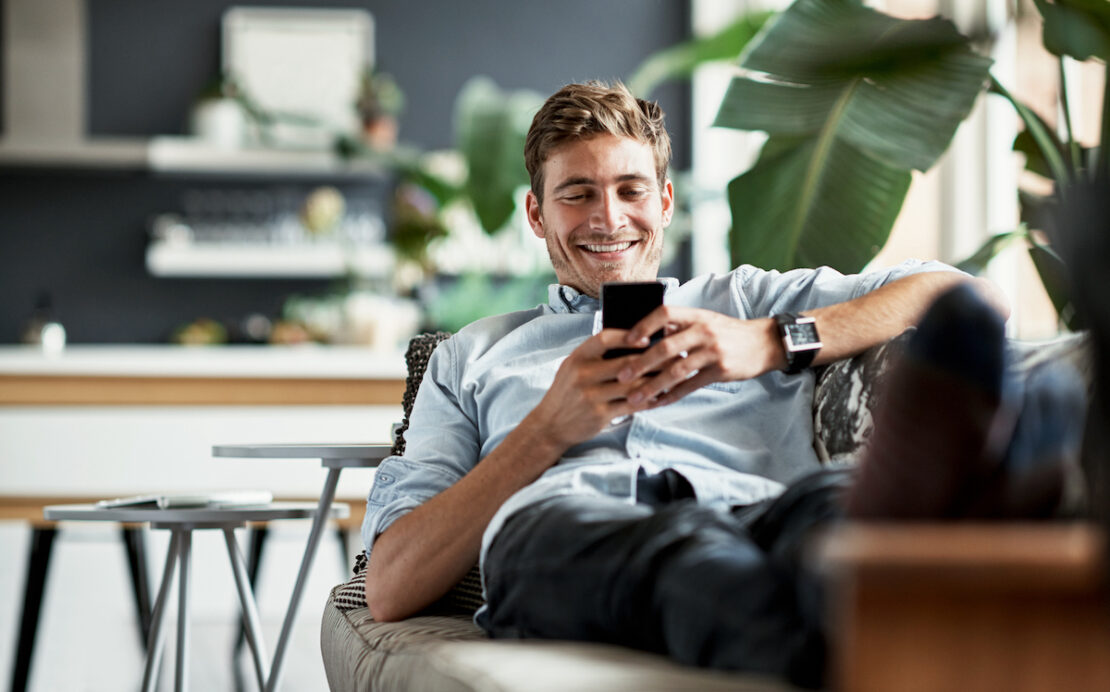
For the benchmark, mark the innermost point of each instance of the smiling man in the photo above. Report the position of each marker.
(657, 500)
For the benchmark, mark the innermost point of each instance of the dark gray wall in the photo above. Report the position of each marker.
(81, 235)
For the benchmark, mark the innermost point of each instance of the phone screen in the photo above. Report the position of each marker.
(626, 303)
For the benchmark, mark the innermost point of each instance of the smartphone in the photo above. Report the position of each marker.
(623, 304)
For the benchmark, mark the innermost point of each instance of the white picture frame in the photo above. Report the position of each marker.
(300, 61)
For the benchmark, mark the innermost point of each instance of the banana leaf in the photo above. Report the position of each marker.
(680, 61)
(1054, 276)
(490, 128)
(852, 100)
(1076, 28)
(977, 263)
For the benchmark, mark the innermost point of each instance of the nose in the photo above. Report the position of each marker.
(608, 214)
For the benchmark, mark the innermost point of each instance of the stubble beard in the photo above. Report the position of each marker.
(563, 268)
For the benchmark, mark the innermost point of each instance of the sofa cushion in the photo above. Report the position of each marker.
(450, 654)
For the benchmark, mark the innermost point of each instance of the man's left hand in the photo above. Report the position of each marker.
(700, 347)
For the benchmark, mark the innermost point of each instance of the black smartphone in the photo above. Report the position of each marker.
(623, 304)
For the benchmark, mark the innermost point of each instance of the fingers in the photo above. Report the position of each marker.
(666, 317)
(598, 344)
(681, 374)
(663, 355)
(675, 393)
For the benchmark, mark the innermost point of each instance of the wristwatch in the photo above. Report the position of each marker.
(799, 340)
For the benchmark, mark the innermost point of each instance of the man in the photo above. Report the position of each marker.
(658, 500)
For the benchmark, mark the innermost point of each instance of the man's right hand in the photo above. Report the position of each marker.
(586, 395)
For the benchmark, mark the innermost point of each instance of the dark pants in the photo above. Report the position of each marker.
(709, 588)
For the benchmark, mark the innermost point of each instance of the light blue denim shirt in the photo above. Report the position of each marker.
(736, 442)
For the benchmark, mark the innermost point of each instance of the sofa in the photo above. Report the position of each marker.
(442, 650)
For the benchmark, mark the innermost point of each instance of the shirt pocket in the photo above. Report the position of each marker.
(727, 387)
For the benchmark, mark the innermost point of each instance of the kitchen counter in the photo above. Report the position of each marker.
(213, 375)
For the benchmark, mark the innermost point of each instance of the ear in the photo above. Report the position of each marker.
(667, 197)
(535, 216)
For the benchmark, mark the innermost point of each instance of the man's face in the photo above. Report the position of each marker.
(603, 213)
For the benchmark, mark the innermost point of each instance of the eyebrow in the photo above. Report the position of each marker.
(583, 180)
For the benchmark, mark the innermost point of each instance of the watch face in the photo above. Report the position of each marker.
(802, 334)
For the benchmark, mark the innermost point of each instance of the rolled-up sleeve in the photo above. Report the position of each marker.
(772, 292)
(441, 446)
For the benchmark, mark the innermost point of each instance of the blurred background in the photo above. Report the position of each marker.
(338, 175)
(159, 159)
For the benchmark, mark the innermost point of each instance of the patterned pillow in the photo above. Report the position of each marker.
(845, 398)
(416, 359)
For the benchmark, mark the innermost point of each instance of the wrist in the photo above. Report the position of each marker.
(775, 354)
(540, 440)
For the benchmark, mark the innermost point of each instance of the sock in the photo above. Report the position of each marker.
(1043, 453)
(938, 423)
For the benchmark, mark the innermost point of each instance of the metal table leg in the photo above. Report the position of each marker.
(181, 682)
(157, 620)
(318, 522)
(250, 609)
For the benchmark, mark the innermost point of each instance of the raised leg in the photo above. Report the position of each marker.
(42, 543)
(181, 682)
(250, 610)
(157, 620)
(322, 509)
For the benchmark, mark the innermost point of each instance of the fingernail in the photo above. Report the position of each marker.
(625, 375)
(636, 397)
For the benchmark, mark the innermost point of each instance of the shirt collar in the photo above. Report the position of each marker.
(568, 300)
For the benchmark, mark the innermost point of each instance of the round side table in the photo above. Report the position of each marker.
(182, 522)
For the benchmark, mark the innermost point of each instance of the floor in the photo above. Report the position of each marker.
(88, 640)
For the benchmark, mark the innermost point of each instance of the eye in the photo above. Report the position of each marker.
(634, 192)
(575, 196)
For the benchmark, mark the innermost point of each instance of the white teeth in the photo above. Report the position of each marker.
(615, 247)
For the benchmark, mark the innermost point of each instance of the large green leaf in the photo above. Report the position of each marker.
(491, 126)
(782, 220)
(679, 61)
(852, 100)
(1077, 28)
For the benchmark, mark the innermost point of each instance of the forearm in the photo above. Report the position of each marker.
(426, 552)
(851, 327)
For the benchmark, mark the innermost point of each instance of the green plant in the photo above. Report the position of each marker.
(1079, 30)
(490, 128)
(852, 101)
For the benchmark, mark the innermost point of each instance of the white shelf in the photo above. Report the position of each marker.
(323, 260)
(189, 155)
(173, 155)
(90, 153)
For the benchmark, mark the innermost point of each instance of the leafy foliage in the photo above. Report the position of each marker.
(490, 128)
(852, 101)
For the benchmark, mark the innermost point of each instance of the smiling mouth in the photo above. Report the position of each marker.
(608, 247)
